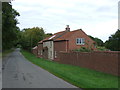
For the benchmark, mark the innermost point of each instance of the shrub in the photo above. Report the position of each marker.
(83, 49)
(102, 49)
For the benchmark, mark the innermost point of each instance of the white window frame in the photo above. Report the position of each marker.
(80, 41)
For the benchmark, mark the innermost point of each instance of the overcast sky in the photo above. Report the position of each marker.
(98, 18)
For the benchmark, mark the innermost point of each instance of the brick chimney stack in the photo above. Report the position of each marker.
(67, 28)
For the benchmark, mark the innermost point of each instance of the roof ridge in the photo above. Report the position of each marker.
(58, 32)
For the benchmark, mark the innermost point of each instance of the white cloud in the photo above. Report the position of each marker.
(95, 17)
(103, 30)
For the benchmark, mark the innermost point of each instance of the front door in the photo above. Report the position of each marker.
(45, 53)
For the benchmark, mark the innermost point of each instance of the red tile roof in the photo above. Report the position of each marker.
(63, 35)
(56, 35)
(66, 35)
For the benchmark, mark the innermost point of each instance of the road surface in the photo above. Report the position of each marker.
(20, 73)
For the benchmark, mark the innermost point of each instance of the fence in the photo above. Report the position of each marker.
(100, 61)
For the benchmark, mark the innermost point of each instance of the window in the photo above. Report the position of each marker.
(52, 37)
(80, 41)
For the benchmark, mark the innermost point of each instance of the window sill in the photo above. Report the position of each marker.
(80, 44)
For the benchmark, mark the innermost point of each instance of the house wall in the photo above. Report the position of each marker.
(40, 48)
(50, 46)
(100, 61)
(88, 41)
(59, 46)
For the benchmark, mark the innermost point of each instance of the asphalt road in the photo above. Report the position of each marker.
(20, 73)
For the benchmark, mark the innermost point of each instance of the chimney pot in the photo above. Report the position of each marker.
(67, 28)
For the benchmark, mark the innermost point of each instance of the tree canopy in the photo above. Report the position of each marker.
(48, 34)
(31, 36)
(114, 41)
(9, 28)
(98, 41)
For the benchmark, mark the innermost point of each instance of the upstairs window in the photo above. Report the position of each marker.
(80, 41)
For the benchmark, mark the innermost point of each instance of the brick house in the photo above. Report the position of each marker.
(64, 41)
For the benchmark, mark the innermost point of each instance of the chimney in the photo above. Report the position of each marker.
(67, 28)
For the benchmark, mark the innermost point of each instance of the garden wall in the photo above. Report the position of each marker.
(100, 61)
(34, 51)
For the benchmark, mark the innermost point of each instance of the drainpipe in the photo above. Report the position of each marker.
(66, 46)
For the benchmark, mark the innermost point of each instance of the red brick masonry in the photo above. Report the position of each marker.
(100, 61)
(34, 51)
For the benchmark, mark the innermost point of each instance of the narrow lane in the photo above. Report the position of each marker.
(20, 73)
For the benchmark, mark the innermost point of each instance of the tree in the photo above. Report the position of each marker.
(48, 34)
(9, 28)
(98, 41)
(31, 36)
(114, 41)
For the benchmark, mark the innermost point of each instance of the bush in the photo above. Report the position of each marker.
(83, 49)
(102, 49)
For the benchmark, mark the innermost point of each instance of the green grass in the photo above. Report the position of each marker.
(80, 77)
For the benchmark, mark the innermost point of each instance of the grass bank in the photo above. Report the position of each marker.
(81, 77)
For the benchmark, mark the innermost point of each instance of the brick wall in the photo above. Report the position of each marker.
(59, 46)
(101, 61)
(34, 51)
(40, 48)
(88, 41)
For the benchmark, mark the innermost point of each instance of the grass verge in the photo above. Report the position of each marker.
(80, 77)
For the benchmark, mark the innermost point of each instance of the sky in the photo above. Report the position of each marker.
(98, 18)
